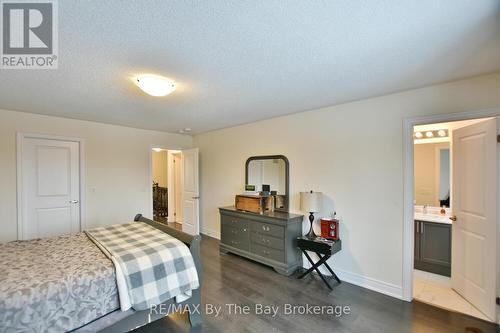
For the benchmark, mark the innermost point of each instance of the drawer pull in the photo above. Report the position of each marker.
(265, 252)
(234, 242)
(234, 232)
(265, 228)
(245, 229)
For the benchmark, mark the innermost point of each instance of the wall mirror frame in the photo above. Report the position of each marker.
(286, 175)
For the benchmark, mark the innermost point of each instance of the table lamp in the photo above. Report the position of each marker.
(311, 202)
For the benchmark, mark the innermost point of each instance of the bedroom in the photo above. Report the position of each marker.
(334, 87)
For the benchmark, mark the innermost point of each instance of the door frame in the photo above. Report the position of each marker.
(175, 174)
(150, 175)
(20, 137)
(408, 186)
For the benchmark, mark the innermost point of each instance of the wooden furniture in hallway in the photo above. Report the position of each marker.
(160, 201)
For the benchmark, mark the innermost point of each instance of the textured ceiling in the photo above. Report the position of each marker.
(241, 61)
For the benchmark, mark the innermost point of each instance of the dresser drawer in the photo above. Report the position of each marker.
(267, 252)
(269, 241)
(234, 222)
(268, 229)
(235, 237)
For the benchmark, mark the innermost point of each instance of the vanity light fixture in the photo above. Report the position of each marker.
(433, 134)
(157, 150)
(442, 133)
(155, 85)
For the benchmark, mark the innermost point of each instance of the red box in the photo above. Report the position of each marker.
(330, 228)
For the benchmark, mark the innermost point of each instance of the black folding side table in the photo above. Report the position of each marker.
(324, 249)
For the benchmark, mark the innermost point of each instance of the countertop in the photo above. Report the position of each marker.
(433, 218)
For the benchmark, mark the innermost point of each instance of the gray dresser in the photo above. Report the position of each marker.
(269, 238)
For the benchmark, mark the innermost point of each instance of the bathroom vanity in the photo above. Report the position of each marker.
(268, 234)
(432, 236)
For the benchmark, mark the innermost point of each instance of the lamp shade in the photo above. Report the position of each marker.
(311, 201)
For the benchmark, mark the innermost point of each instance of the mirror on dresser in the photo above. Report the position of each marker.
(269, 173)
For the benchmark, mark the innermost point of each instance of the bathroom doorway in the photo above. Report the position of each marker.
(454, 216)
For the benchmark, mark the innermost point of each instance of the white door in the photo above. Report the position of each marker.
(190, 192)
(474, 205)
(50, 188)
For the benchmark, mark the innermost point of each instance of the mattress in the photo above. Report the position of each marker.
(54, 284)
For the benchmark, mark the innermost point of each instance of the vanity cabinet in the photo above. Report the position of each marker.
(269, 238)
(432, 251)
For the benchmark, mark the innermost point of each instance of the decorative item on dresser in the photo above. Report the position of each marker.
(311, 202)
(269, 238)
(254, 203)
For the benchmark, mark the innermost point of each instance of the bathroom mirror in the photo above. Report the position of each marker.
(272, 170)
(432, 174)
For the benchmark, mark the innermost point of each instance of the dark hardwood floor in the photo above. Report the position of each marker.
(229, 279)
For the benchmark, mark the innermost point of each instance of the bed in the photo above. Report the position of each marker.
(72, 286)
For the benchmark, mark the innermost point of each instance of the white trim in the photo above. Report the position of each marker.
(382, 287)
(408, 223)
(171, 186)
(211, 233)
(20, 136)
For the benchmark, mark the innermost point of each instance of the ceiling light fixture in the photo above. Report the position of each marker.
(155, 85)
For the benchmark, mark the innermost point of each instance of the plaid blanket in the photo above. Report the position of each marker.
(151, 266)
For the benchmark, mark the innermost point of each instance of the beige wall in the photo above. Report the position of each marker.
(353, 153)
(117, 166)
(160, 168)
(427, 173)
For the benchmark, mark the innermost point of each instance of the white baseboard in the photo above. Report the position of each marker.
(211, 233)
(382, 287)
(370, 283)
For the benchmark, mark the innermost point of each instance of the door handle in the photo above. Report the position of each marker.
(74, 201)
(453, 218)
(195, 197)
